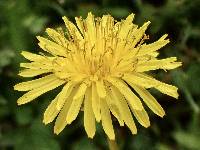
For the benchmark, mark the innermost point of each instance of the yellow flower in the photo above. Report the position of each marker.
(100, 62)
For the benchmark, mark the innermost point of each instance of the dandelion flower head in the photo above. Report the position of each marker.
(102, 65)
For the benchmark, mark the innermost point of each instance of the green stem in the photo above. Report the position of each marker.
(191, 101)
(112, 144)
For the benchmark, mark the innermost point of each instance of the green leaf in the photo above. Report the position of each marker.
(161, 146)
(84, 144)
(2, 100)
(24, 115)
(193, 80)
(187, 140)
(118, 12)
(34, 23)
(6, 56)
(35, 137)
(181, 80)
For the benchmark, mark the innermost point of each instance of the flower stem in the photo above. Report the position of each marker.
(112, 144)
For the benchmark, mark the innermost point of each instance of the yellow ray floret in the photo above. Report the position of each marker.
(102, 65)
(61, 120)
(96, 103)
(89, 119)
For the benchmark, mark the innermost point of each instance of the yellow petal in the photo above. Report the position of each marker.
(91, 27)
(81, 91)
(166, 64)
(162, 87)
(96, 103)
(74, 110)
(37, 83)
(32, 72)
(38, 65)
(104, 21)
(32, 57)
(149, 48)
(76, 104)
(57, 37)
(126, 115)
(66, 91)
(135, 78)
(154, 54)
(99, 34)
(138, 34)
(31, 95)
(168, 89)
(126, 26)
(150, 101)
(142, 117)
(60, 38)
(124, 29)
(79, 22)
(51, 112)
(73, 31)
(89, 119)
(51, 47)
(114, 107)
(132, 99)
(61, 121)
(101, 88)
(106, 120)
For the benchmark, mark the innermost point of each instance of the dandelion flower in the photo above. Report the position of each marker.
(101, 64)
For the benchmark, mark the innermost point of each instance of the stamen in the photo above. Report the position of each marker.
(142, 40)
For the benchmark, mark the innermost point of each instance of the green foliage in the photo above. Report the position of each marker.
(84, 143)
(21, 128)
(35, 137)
(187, 140)
(6, 56)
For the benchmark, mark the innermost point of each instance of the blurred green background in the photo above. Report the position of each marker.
(21, 128)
